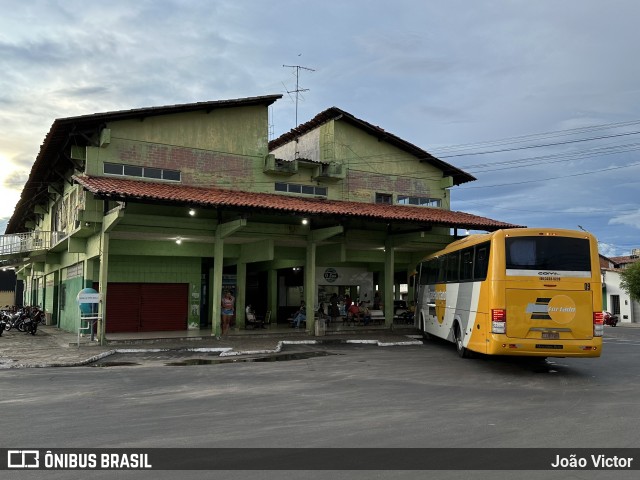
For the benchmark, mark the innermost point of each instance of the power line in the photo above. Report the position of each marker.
(540, 145)
(536, 136)
(551, 178)
(555, 158)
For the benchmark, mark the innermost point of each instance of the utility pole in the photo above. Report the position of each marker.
(298, 89)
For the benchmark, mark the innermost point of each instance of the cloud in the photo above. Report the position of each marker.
(15, 179)
(631, 219)
(607, 250)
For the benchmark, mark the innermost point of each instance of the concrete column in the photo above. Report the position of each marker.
(241, 294)
(272, 294)
(210, 288)
(389, 265)
(89, 273)
(215, 285)
(103, 281)
(310, 286)
(223, 231)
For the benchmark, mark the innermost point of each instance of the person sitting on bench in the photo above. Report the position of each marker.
(300, 316)
(353, 313)
(251, 319)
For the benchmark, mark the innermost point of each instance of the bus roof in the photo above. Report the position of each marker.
(476, 238)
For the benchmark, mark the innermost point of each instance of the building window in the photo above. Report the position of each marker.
(419, 201)
(113, 168)
(145, 172)
(173, 175)
(152, 173)
(384, 198)
(132, 171)
(302, 189)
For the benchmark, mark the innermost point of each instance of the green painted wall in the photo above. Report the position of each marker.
(221, 148)
(69, 312)
(123, 268)
(50, 292)
(376, 166)
(39, 293)
(371, 166)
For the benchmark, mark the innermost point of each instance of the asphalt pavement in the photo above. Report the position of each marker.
(52, 347)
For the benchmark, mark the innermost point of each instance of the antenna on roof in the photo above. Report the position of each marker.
(298, 89)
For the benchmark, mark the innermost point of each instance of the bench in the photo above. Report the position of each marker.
(377, 317)
(251, 320)
(374, 317)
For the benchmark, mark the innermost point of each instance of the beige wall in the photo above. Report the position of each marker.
(7, 298)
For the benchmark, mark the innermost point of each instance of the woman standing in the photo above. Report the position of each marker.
(227, 311)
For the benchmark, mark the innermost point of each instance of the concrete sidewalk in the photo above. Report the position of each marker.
(52, 347)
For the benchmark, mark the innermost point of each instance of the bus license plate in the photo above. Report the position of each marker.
(550, 336)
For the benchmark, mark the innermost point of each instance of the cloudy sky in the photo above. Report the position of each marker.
(539, 100)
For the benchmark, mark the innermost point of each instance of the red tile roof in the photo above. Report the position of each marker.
(136, 190)
(624, 260)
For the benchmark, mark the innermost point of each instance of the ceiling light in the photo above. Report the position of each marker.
(305, 221)
(192, 212)
(179, 240)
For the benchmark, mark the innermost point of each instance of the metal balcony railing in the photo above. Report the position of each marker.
(17, 243)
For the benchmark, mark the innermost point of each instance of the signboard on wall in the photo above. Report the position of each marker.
(346, 276)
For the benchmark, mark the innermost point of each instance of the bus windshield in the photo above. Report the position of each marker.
(548, 253)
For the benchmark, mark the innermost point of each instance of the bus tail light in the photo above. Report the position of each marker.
(598, 324)
(499, 320)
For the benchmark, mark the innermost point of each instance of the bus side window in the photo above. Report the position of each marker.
(423, 273)
(433, 272)
(466, 268)
(441, 269)
(481, 264)
(453, 263)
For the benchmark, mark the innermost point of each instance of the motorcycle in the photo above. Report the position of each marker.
(24, 320)
(13, 320)
(610, 319)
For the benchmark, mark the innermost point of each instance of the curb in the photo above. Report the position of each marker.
(223, 351)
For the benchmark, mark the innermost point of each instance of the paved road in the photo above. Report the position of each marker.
(350, 396)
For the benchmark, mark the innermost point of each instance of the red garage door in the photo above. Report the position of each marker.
(146, 307)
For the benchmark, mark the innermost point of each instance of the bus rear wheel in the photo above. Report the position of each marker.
(463, 352)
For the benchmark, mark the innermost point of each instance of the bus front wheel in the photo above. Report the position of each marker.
(463, 352)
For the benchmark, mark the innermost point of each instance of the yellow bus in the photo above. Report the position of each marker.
(522, 291)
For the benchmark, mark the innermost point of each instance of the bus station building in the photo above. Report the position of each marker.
(161, 209)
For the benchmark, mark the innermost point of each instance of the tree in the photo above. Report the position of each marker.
(630, 280)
